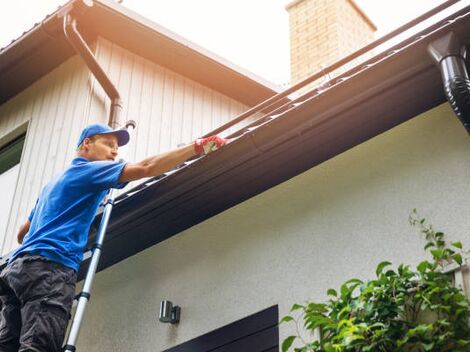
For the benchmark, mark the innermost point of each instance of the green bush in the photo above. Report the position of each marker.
(401, 310)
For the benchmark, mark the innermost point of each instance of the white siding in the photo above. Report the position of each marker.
(53, 108)
(169, 109)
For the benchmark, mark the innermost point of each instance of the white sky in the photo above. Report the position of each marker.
(253, 34)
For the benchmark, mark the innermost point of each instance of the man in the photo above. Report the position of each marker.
(38, 285)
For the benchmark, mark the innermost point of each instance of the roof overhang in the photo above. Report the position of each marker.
(44, 47)
(391, 89)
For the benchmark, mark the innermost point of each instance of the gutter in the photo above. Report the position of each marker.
(324, 124)
(82, 49)
(449, 54)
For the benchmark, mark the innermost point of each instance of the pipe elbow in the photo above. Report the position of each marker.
(457, 90)
(449, 54)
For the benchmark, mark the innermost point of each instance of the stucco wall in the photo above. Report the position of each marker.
(291, 243)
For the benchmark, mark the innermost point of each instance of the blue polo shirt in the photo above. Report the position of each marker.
(65, 209)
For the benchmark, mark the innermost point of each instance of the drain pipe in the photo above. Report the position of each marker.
(449, 54)
(81, 47)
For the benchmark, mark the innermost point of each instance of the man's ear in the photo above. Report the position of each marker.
(86, 143)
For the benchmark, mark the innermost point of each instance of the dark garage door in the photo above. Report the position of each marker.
(256, 333)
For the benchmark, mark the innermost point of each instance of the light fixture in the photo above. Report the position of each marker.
(169, 313)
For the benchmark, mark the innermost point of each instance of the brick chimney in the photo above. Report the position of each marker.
(324, 31)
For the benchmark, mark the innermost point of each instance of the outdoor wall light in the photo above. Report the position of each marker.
(169, 313)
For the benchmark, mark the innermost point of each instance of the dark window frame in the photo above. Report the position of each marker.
(10, 153)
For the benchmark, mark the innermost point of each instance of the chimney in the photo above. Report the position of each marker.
(324, 31)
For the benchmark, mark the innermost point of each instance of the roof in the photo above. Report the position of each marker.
(365, 101)
(44, 47)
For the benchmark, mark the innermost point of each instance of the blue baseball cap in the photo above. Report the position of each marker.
(99, 128)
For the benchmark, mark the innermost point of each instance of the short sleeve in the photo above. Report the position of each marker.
(105, 174)
(31, 214)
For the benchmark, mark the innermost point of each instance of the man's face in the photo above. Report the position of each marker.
(101, 147)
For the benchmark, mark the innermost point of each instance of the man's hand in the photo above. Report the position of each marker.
(23, 231)
(204, 146)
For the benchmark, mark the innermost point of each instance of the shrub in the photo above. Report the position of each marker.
(401, 310)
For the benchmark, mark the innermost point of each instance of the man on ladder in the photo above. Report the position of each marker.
(38, 284)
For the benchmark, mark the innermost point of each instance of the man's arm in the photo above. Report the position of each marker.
(23, 231)
(156, 165)
(161, 163)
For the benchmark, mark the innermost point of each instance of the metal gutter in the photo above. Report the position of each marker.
(362, 103)
(274, 101)
(324, 125)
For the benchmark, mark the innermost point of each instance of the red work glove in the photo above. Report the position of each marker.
(209, 144)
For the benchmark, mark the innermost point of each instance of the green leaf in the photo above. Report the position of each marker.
(286, 319)
(457, 245)
(457, 258)
(296, 307)
(381, 267)
(437, 253)
(287, 343)
(428, 346)
(423, 266)
(332, 292)
(428, 245)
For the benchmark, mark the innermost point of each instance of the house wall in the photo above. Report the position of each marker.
(336, 221)
(53, 111)
(169, 109)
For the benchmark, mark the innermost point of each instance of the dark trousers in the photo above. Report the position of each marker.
(36, 296)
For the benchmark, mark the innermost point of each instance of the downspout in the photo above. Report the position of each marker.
(450, 54)
(82, 49)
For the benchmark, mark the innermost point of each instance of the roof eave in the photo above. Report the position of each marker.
(44, 47)
(322, 127)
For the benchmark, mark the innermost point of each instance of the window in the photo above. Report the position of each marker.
(10, 156)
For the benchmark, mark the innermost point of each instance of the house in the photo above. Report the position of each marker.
(302, 199)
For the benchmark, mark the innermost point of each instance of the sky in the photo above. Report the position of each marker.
(253, 34)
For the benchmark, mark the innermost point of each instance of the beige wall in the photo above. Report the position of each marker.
(169, 109)
(292, 242)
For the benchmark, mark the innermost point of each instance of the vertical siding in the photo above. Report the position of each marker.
(54, 110)
(169, 110)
